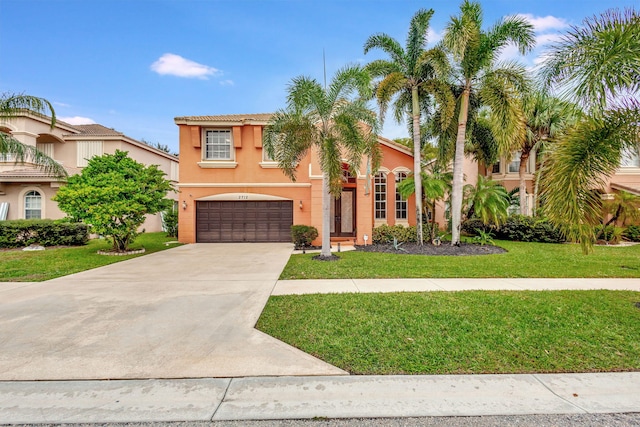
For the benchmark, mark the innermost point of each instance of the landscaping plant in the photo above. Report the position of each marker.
(114, 194)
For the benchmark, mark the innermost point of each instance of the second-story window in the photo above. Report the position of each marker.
(218, 145)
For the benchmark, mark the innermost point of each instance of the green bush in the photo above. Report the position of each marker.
(303, 235)
(632, 233)
(170, 221)
(520, 228)
(45, 232)
(386, 233)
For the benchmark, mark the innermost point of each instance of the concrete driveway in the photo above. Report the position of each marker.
(187, 312)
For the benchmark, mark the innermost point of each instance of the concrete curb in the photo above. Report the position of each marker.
(262, 398)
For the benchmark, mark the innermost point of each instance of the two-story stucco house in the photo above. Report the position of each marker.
(231, 191)
(26, 191)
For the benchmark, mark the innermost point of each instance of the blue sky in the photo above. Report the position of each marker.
(135, 65)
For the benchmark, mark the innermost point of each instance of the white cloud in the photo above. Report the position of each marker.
(176, 65)
(61, 104)
(433, 37)
(77, 120)
(510, 53)
(541, 24)
(544, 39)
(227, 83)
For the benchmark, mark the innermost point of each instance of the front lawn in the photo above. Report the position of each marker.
(20, 266)
(520, 260)
(463, 332)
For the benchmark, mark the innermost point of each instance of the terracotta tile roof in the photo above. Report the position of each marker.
(260, 117)
(33, 172)
(96, 129)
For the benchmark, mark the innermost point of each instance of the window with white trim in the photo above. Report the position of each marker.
(630, 159)
(401, 203)
(86, 150)
(380, 195)
(218, 145)
(32, 205)
(514, 166)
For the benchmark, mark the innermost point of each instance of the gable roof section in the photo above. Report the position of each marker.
(97, 130)
(394, 145)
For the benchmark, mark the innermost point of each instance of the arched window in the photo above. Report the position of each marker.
(32, 205)
(401, 203)
(380, 191)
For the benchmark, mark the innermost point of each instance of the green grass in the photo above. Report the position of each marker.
(463, 332)
(521, 260)
(19, 266)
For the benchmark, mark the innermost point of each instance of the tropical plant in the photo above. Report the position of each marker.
(488, 201)
(624, 209)
(483, 238)
(435, 184)
(170, 221)
(596, 64)
(333, 120)
(10, 106)
(113, 194)
(412, 76)
(498, 87)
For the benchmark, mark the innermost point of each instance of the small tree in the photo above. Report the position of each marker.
(113, 194)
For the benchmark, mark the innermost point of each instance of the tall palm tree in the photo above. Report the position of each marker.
(546, 117)
(597, 64)
(334, 120)
(476, 52)
(10, 106)
(411, 75)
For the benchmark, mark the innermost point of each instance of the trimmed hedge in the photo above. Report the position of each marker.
(45, 232)
(386, 233)
(519, 228)
(303, 235)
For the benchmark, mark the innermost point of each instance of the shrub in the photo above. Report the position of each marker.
(519, 228)
(303, 235)
(609, 234)
(386, 234)
(170, 221)
(632, 233)
(45, 232)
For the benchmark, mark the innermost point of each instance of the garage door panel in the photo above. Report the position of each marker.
(244, 221)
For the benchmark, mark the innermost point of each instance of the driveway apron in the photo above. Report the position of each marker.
(187, 312)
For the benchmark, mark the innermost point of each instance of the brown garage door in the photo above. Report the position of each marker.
(244, 221)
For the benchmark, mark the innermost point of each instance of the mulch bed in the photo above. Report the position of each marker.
(427, 249)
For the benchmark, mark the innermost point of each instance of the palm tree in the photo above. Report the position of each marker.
(10, 106)
(332, 120)
(410, 75)
(488, 201)
(597, 64)
(546, 117)
(499, 88)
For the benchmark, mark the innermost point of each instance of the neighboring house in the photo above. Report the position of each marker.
(26, 191)
(231, 191)
(626, 177)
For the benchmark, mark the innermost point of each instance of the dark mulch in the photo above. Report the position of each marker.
(326, 258)
(427, 249)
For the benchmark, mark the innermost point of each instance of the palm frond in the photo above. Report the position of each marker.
(417, 37)
(578, 165)
(11, 104)
(598, 61)
(28, 154)
(387, 44)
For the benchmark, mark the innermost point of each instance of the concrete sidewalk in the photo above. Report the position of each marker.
(324, 286)
(262, 398)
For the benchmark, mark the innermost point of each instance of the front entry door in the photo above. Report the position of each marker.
(343, 214)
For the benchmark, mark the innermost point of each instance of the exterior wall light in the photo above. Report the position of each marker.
(184, 204)
(300, 204)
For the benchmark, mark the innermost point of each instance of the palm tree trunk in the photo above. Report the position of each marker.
(417, 164)
(326, 217)
(458, 178)
(522, 170)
